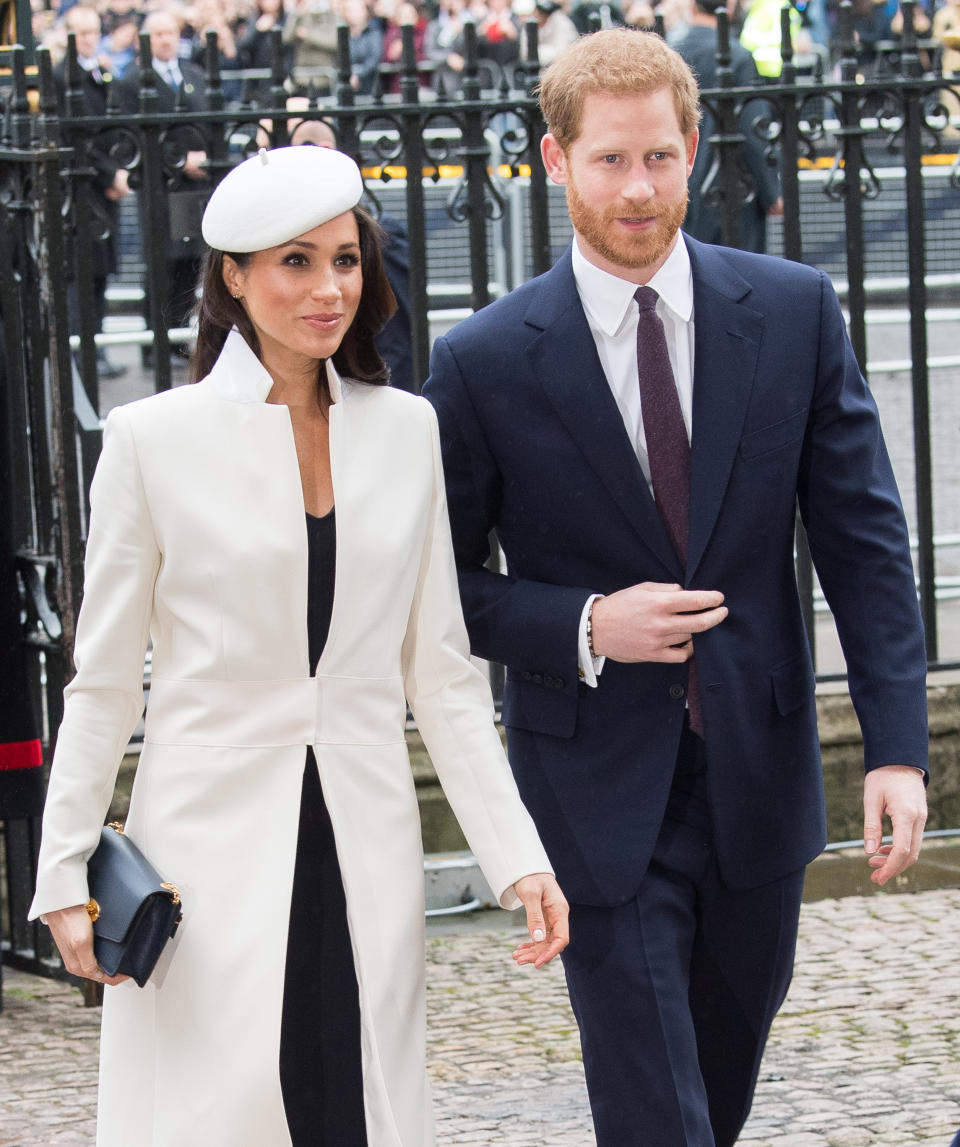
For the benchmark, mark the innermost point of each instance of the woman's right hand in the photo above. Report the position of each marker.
(72, 932)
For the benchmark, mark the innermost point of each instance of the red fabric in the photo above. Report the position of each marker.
(21, 755)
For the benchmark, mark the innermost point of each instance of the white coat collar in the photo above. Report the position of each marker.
(239, 376)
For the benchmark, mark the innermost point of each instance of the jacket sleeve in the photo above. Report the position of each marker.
(450, 700)
(861, 550)
(529, 626)
(104, 700)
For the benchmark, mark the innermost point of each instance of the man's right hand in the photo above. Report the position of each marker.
(654, 621)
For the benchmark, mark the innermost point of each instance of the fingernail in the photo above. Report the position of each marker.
(538, 935)
(871, 845)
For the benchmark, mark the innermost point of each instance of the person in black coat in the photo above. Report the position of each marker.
(109, 184)
(21, 755)
(181, 87)
(705, 221)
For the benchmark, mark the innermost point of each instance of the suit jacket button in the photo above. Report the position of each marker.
(676, 692)
(537, 679)
(558, 682)
(525, 674)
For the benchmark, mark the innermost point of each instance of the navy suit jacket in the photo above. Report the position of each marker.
(535, 447)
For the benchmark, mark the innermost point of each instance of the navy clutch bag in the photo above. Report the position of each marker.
(134, 911)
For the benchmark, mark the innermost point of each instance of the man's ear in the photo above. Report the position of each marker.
(693, 139)
(554, 160)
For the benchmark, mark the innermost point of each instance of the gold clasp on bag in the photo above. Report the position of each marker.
(93, 910)
(116, 826)
(172, 888)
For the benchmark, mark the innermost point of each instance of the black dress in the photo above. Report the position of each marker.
(320, 1067)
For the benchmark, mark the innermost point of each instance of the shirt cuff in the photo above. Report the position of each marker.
(589, 667)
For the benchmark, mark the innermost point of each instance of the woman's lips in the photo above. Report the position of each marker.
(322, 322)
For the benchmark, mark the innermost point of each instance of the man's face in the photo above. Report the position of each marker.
(164, 37)
(85, 25)
(626, 179)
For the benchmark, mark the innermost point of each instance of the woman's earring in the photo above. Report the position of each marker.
(238, 297)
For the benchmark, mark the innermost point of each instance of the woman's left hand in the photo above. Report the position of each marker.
(547, 919)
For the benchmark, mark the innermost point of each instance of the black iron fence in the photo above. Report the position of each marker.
(871, 191)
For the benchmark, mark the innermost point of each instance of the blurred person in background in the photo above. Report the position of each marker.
(760, 35)
(366, 45)
(946, 29)
(444, 46)
(311, 31)
(180, 86)
(255, 46)
(555, 30)
(110, 182)
(222, 17)
(704, 221)
(498, 35)
(404, 13)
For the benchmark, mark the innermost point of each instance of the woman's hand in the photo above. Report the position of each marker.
(547, 919)
(73, 934)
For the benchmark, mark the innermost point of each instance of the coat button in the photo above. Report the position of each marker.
(537, 679)
(676, 692)
(558, 682)
(525, 675)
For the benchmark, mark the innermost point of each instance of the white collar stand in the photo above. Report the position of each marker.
(239, 376)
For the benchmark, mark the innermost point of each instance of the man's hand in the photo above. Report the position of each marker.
(120, 186)
(194, 166)
(898, 792)
(653, 621)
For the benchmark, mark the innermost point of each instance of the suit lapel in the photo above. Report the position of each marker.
(579, 393)
(727, 344)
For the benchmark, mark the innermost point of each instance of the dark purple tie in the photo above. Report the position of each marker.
(668, 448)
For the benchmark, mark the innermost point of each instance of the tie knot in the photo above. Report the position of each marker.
(646, 298)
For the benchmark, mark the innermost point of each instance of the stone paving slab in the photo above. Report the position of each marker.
(865, 1053)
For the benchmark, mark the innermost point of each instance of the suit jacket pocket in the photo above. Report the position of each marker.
(759, 443)
(793, 684)
(538, 709)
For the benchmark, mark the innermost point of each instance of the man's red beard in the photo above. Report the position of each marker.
(632, 251)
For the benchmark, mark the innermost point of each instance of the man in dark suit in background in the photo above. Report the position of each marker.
(180, 86)
(704, 220)
(639, 425)
(109, 183)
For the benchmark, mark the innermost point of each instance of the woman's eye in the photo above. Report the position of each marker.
(348, 260)
(295, 259)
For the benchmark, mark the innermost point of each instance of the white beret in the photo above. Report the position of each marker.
(277, 195)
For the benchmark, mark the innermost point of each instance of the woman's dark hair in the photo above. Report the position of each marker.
(357, 356)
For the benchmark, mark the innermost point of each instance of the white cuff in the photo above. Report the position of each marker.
(590, 667)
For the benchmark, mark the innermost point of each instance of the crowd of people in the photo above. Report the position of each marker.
(309, 32)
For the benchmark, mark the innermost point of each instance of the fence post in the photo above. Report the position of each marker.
(913, 124)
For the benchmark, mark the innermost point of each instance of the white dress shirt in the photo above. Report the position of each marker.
(612, 315)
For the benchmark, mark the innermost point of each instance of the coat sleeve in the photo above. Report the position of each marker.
(104, 700)
(450, 700)
(861, 550)
(527, 625)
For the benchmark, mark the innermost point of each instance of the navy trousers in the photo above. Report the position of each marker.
(675, 991)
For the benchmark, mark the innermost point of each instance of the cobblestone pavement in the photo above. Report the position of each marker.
(865, 1053)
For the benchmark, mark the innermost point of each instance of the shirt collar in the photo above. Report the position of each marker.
(607, 298)
(239, 376)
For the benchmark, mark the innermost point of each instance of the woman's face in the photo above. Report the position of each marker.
(303, 295)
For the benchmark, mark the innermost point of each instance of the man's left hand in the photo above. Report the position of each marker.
(898, 792)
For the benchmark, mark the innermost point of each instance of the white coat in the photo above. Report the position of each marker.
(198, 540)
